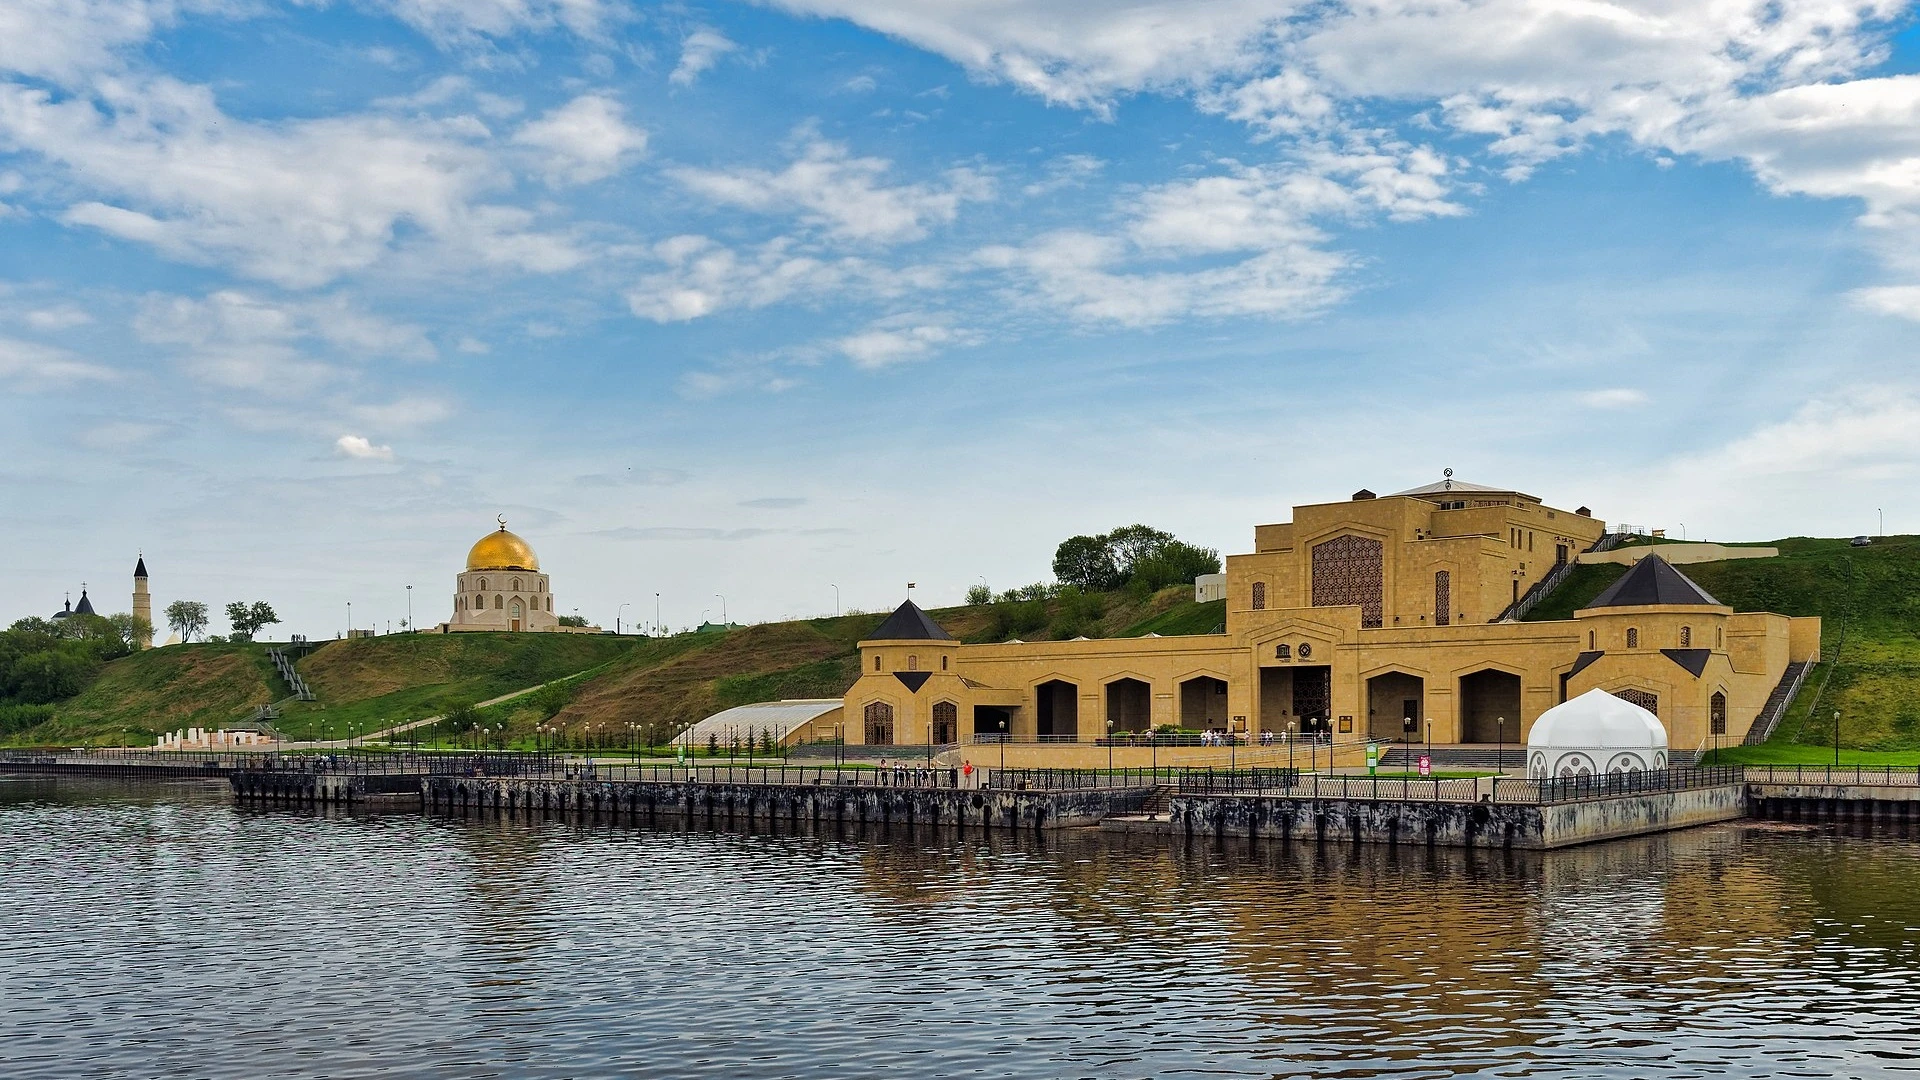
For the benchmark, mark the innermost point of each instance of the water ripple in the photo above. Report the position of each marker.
(159, 932)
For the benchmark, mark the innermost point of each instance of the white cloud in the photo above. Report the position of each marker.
(587, 139)
(860, 84)
(452, 23)
(1075, 53)
(1900, 300)
(1619, 397)
(700, 277)
(698, 52)
(843, 196)
(62, 317)
(1066, 171)
(234, 339)
(361, 448)
(32, 365)
(299, 203)
(898, 340)
(64, 40)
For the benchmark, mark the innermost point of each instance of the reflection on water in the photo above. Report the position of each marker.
(159, 932)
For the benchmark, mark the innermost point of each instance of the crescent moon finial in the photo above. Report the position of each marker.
(502, 519)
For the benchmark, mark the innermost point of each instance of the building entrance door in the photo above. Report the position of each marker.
(1313, 697)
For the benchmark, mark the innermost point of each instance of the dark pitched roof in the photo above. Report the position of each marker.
(909, 623)
(140, 567)
(1694, 660)
(1581, 662)
(85, 606)
(1653, 581)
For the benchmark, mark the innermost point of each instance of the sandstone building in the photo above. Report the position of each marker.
(1379, 617)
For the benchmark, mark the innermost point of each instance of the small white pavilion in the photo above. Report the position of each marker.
(1595, 734)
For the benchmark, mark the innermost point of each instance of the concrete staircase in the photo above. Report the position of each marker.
(283, 664)
(1544, 587)
(1777, 703)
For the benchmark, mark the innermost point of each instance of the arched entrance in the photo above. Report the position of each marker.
(879, 724)
(1129, 705)
(514, 614)
(1487, 698)
(1392, 697)
(1057, 709)
(1203, 703)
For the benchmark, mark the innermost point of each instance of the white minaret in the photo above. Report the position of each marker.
(142, 603)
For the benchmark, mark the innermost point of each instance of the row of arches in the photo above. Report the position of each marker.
(539, 586)
(878, 723)
(499, 603)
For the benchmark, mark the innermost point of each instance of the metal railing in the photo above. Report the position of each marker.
(1904, 776)
(1763, 727)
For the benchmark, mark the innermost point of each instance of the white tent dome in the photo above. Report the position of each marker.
(1595, 733)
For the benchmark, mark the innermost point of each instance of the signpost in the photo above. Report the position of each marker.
(1373, 757)
(1426, 764)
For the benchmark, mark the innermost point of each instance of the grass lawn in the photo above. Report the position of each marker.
(1778, 753)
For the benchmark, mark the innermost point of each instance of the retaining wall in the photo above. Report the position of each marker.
(640, 800)
(1493, 825)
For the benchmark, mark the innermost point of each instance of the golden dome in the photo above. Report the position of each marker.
(502, 551)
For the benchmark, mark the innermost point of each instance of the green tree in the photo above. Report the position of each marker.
(573, 620)
(249, 619)
(187, 618)
(979, 594)
(1132, 545)
(1173, 563)
(1086, 562)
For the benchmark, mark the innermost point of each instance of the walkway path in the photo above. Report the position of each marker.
(398, 729)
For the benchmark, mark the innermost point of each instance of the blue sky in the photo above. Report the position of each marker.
(749, 300)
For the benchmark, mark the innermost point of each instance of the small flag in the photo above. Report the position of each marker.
(910, 584)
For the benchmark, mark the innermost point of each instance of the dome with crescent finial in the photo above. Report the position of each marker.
(502, 550)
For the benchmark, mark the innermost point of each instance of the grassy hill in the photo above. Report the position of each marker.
(140, 696)
(1869, 598)
(365, 684)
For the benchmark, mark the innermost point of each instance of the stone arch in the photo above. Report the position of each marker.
(1717, 713)
(1490, 702)
(1129, 704)
(878, 716)
(1390, 694)
(1057, 709)
(946, 722)
(1202, 699)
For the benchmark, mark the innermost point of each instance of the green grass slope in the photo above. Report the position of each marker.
(365, 684)
(1871, 595)
(160, 690)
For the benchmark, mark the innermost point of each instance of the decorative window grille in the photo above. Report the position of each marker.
(1647, 701)
(1259, 596)
(1633, 638)
(879, 717)
(1443, 598)
(1349, 570)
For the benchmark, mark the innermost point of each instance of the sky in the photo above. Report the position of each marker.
(770, 307)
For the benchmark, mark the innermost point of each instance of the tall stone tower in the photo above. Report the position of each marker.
(142, 603)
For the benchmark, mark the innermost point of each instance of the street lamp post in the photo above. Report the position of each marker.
(656, 615)
(349, 619)
(1500, 745)
(1836, 738)
(836, 600)
(617, 612)
(1003, 743)
(1109, 751)
(723, 609)
(409, 609)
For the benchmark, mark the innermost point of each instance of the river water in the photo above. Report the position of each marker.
(160, 932)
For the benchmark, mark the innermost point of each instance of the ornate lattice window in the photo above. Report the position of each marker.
(1443, 598)
(1349, 570)
(913, 662)
(879, 717)
(1642, 698)
(946, 722)
(1259, 596)
(1717, 714)
(1686, 637)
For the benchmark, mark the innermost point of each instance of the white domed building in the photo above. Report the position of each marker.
(502, 587)
(1595, 734)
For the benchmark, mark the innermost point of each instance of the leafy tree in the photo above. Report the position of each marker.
(549, 700)
(249, 619)
(1173, 563)
(52, 675)
(461, 717)
(1133, 544)
(129, 631)
(187, 618)
(573, 620)
(1086, 562)
(979, 594)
